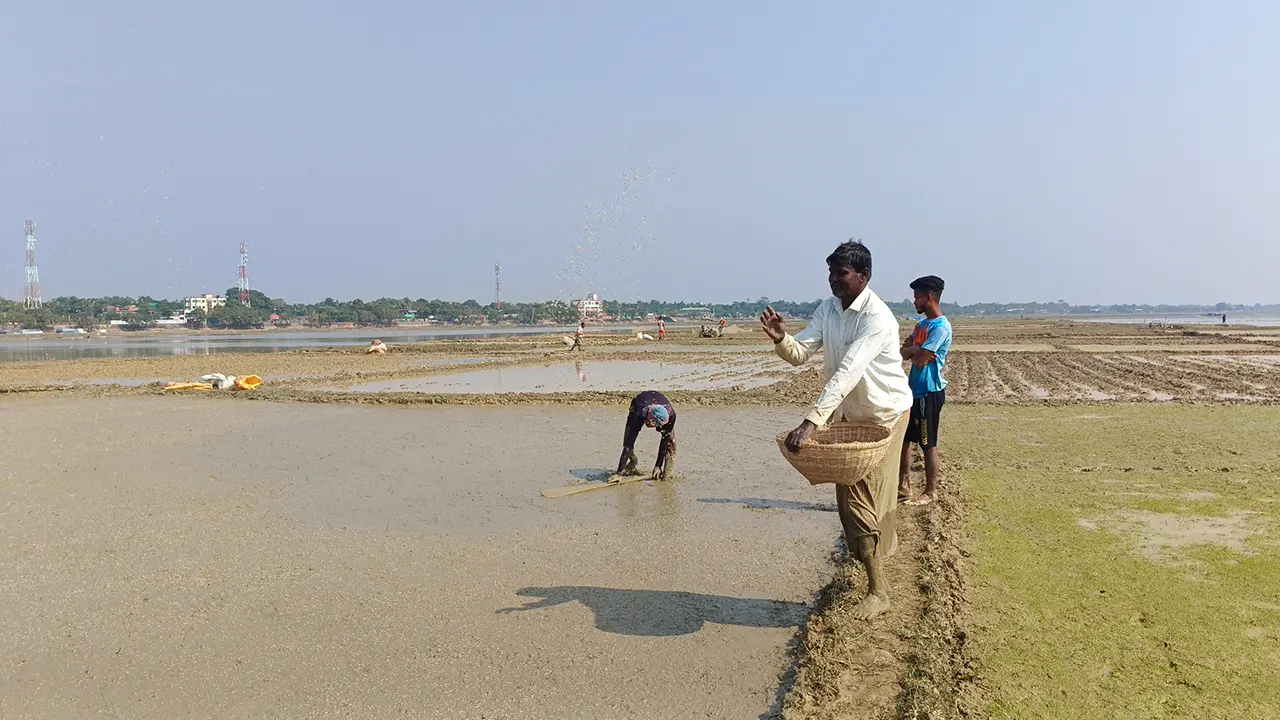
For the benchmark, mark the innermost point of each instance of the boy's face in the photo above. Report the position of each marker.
(922, 300)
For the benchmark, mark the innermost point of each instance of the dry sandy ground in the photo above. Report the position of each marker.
(173, 557)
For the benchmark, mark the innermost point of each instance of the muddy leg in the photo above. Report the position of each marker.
(930, 475)
(877, 599)
(862, 544)
(669, 465)
(904, 472)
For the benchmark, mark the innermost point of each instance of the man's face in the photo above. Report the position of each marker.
(846, 283)
(922, 300)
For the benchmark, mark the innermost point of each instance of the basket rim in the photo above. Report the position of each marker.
(811, 443)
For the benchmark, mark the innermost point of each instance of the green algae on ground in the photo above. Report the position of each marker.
(1074, 614)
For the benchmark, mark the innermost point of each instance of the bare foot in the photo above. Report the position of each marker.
(904, 492)
(924, 499)
(870, 607)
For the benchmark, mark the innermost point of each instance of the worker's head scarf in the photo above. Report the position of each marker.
(656, 416)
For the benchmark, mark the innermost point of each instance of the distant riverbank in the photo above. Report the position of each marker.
(164, 343)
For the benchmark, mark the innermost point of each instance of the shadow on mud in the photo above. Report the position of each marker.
(659, 613)
(592, 474)
(767, 504)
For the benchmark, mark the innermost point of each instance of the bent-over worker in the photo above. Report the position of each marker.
(650, 409)
(865, 383)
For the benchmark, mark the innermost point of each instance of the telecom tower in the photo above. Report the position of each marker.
(497, 283)
(31, 291)
(243, 281)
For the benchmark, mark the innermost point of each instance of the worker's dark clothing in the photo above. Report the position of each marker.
(636, 417)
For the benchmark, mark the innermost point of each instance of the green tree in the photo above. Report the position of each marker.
(237, 317)
(197, 319)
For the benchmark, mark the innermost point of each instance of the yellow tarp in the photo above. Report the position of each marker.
(188, 386)
(248, 382)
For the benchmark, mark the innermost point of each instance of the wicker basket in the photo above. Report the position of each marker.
(841, 453)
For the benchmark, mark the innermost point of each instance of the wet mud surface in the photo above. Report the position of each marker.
(230, 560)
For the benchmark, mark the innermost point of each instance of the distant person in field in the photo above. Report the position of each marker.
(858, 334)
(650, 409)
(927, 350)
(662, 329)
(377, 347)
(577, 336)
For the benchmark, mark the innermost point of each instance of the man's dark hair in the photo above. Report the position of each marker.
(930, 284)
(852, 253)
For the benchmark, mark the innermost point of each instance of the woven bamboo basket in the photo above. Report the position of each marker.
(841, 453)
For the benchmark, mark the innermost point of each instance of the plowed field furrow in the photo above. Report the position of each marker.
(959, 379)
(1228, 377)
(1074, 381)
(1157, 377)
(1058, 380)
(1215, 378)
(987, 385)
(1004, 367)
(1104, 378)
(1253, 375)
(1032, 368)
(1136, 373)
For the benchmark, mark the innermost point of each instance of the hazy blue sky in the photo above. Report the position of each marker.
(1091, 151)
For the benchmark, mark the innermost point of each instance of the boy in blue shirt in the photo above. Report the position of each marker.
(927, 350)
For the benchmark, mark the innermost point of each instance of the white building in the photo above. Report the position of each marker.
(590, 305)
(206, 303)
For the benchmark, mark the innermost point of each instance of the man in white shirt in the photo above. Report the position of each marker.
(865, 383)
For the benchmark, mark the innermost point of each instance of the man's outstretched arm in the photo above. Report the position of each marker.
(803, 345)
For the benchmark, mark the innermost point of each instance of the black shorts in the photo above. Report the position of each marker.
(925, 411)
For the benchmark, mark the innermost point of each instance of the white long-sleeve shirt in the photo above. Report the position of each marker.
(863, 360)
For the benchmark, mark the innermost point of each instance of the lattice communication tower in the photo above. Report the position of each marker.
(242, 280)
(31, 290)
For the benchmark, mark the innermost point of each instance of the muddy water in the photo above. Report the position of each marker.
(31, 348)
(374, 562)
(617, 375)
(137, 382)
(126, 382)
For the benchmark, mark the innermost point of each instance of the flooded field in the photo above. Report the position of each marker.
(418, 566)
(605, 376)
(1001, 363)
(32, 348)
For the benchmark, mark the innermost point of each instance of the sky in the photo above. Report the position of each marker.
(1091, 151)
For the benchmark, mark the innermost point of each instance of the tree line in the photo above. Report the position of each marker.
(143, 312)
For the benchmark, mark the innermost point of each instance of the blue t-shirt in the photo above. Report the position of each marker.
(935, 336)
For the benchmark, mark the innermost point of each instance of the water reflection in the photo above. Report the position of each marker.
(19, 348)
(606, 376)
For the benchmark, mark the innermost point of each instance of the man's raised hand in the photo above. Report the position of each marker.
(774, 326)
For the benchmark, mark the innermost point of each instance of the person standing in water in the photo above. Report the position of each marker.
(650, 409)
(927, 350)
(858, 334)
